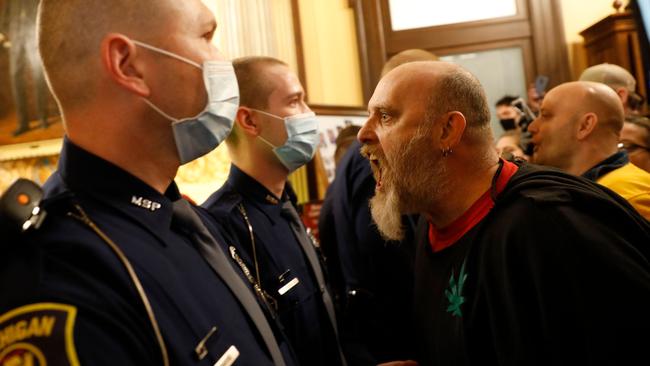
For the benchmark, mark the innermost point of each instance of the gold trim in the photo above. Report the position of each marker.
(69, 326)
(42, 361)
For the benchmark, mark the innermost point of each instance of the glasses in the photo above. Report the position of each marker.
(632, 147)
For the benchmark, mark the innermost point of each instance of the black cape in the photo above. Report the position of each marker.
(557, 273)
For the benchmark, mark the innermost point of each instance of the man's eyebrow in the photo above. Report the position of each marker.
(208, 24)
(294, 95)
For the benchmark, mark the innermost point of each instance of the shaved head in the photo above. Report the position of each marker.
(449, 88)
(406, 56)
(428, 127)
(591, 97)
(70, 33)
(579, 126)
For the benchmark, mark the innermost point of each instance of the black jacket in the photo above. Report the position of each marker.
(557, 273)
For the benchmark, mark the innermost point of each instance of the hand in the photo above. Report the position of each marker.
(399, 363)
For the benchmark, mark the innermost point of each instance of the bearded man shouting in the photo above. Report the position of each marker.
(516, 264)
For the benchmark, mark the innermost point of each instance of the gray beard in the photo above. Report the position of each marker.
(417, 184)
(385, 210)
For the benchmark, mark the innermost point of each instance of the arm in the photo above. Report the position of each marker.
(85, 309)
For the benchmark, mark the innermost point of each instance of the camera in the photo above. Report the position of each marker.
(526, 117)
(20, 208)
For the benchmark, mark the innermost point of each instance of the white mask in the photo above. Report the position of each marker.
(302, 139)
(198, 135)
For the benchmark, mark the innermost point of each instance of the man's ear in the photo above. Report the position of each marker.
(246, 121)
(623, 95)
(120, 60)
(452, 130)
(586, 125)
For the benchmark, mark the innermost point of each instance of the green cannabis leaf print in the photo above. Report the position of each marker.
(455, 292)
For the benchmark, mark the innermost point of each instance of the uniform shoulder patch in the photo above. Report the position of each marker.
(38, 335)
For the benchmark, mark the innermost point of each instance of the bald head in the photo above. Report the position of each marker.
(590, 97)
(578, 126)
(447, 87)
(410, 55)
(70, 33)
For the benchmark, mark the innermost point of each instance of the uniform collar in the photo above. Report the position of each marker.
(88, 174)
(255, 193)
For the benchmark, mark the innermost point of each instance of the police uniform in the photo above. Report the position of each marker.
(264, 240)
(372, 278)
(81, 304)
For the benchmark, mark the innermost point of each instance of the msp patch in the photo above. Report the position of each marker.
(38, 335)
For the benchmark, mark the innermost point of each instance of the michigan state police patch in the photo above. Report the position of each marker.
(38, 335)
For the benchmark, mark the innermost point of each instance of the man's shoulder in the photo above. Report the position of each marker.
(551, 186)
(628, 180)
(222, 202)
(66, 243)
(559, 211)
(537, 194)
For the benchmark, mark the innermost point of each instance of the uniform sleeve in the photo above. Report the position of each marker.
(81, 312)
(100, 343)
(564, 286)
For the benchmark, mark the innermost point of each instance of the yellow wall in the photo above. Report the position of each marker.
(330, 49)
(577, 16)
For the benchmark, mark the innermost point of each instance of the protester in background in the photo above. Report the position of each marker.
(619, 79)
(507, 114)
(346, 138)
(509, 146)
(635, 139)
(578, 131)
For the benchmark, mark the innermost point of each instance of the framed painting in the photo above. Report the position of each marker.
(30, 124)
(332, 121)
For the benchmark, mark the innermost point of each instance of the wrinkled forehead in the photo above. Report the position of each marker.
(401, 89)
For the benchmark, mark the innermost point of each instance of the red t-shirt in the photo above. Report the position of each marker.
(443, 238)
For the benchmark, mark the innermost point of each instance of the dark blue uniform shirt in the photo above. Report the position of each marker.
(76, 267)
(280, 259)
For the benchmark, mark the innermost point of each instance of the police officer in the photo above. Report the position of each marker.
(127, 271)
(275, 133)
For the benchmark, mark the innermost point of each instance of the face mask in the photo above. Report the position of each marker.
(198, 135)
(508, 124)
(302, 140)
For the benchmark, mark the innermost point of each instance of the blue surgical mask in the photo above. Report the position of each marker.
(198, 135)
(302, 140)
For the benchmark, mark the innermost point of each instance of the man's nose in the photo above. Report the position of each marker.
(532, 127)
(366, 134)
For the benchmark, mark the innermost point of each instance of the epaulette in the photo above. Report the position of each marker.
(226, 203)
